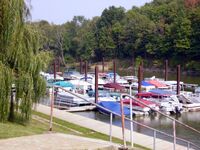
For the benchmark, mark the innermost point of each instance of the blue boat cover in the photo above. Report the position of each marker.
(63, 84)
(162, 92)
(144, 83)
(113, 106)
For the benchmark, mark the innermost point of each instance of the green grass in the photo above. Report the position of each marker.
(39, 125)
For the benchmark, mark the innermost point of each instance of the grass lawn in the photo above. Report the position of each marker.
(39, 124)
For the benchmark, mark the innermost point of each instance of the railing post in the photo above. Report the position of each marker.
(174, 133)
(122, 121)
(188, 146)
(51, 111)
(111, 116)
(131, 117)
(154, 140)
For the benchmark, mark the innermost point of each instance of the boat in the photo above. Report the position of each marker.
(112, 106)
(71, 75)
(144, 85)
(166, 100)
(109, 77)
(66, 100)
(140, 107)
(103, 95)
(190, 101)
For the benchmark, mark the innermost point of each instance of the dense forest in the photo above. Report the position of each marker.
(162, 29)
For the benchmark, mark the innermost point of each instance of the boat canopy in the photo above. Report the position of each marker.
(157, 84)
(113, 106)
(113, 86)
(63, 84)
(144, 83)
(162, 92)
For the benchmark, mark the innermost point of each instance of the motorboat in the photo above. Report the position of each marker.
(112, 106)
(166, 100)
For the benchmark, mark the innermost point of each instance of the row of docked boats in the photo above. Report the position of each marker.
(156, 94)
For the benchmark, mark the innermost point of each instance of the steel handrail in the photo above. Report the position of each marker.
(119, 115)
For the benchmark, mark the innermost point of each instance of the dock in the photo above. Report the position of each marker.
(98, 126)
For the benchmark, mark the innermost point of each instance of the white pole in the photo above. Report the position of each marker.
(131, 117)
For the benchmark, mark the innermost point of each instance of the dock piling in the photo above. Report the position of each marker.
(139, 78)
(86, 66)
(81, 65)
(178, 79)
(114, 69)
(54, 70)
(103, 65)
(166, 70)
(96, 83)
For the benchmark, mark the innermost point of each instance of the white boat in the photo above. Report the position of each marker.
(167, 103)
(189, 100)
(64, 99)
(110, 78)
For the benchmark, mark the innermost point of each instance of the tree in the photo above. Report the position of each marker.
(20, 61)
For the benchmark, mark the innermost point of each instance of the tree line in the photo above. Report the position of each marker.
(162, 29)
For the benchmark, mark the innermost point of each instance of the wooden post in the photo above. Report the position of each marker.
(81, 66)
(178, 79)
(86, 70)
(54, 70)
(133, 64)
(96, 84)
(166, 70)
(58, 64)
(139, 78)
(103, 65)
(141, 71)
(114, 69)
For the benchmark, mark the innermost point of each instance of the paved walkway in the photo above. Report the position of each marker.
(54, 141)
(102, 127)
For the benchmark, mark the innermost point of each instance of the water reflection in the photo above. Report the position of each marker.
(159, 122)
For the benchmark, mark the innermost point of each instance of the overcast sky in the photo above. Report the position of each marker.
(61, 11)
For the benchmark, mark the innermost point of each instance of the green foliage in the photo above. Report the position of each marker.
(20, 61)
(5, 89)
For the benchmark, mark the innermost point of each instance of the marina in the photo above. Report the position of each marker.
(152, 103)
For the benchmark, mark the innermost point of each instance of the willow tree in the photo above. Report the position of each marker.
(20, 61)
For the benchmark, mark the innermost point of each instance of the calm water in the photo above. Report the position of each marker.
(157, 122)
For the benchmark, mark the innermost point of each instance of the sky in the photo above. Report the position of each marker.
(61, 11)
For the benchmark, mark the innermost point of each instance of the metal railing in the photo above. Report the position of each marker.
(155, 131)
